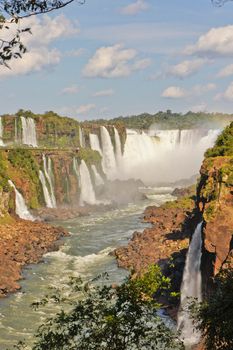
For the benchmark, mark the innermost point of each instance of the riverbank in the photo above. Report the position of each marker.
(24, 242)
(165, 243)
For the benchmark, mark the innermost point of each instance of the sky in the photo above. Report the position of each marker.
(109, 58)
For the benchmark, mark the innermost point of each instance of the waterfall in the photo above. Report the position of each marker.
(118, 151)
(87, 194)
(95, 143)
(81, 138)
(49, 176)
(47, 196)
(109, 160)
(162, 156)
(1, 132)
(29, 132)
(21, 208)
(97, 177)
(75, 166)
(191, 288)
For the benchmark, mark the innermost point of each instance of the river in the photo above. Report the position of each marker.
(85, 252)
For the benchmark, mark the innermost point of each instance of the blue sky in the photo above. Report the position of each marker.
(110, 58)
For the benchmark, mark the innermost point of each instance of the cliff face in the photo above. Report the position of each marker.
(215, 203)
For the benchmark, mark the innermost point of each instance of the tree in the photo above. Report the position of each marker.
(11, 14)
(215, 316)
(101, 317)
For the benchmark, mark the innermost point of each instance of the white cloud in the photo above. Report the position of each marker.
(71, 90)
(32, 61)
(113, 62)
(196, 90)
(108, 92)
(201, 89)
(216, 42)
(226, 71)
(135, 8)
(186, 68)
(84, 109)
(40, 55)
(226, 95)
(174, 92)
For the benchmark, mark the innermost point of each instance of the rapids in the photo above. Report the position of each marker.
(85, 252)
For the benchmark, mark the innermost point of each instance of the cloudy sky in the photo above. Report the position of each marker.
(110, 58)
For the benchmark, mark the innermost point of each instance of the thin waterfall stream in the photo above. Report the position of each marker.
(191, 288)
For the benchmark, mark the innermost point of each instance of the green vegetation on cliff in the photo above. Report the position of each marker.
(224, 144)
(170, 120)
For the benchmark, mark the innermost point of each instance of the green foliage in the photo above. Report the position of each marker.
(101, 317)
(169, 120)
(23, 160)
(215, 315)
(89, 156)
(186, 203)
(3, 174)
(223, 145)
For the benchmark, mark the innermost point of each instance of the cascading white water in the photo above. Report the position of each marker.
(75, 167)
(47, 196)
(97, 177)
(87, 193)
(49, 176)
(162, 156)
(29, 132)
(1, 133)
(118, 151)
(191, 288)
(20, 205)
(109, 160)
(95, 143)
(81, 138)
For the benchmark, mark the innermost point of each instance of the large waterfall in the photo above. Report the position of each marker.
(87, 194)
(156, 156)
(1, 133)
(21, 208)
(109, 160)
(49, 195)
(29, 132)
(118, 148)
(95, 143)
(161, 156)
(97, 177)
(191, 288)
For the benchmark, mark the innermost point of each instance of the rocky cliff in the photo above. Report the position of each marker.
(215, 203)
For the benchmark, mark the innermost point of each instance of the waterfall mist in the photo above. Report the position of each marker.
(191, 288)
(165, 156)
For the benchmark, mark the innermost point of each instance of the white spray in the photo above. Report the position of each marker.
(29, 132)
(87, 194)
(191, 288)
(109, 160)
(49, 176)
(97, 177)
(21, 208)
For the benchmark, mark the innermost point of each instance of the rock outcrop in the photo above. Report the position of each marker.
(23, 242)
